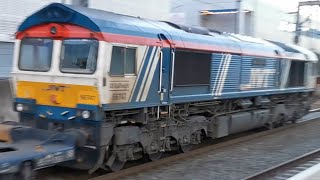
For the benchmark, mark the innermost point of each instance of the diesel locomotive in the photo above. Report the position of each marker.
(124, 88)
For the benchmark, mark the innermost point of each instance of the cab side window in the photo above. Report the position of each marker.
(123, 61)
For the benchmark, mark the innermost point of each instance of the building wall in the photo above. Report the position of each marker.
(151, 9)
(267, 21)
(223, 22)
(6, 53)
(191, 9)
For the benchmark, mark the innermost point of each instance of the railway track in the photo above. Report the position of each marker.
(203, 150)
(290, 168)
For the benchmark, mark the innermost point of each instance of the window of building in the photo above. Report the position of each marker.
(123, 61)
(192, 68)
(35, 54)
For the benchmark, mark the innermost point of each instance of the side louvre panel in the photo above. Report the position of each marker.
(225, 73)
(255, 76)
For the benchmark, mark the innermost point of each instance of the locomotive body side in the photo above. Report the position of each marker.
(134, 87)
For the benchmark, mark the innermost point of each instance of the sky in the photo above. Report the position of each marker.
(291, 6)
(286, 5)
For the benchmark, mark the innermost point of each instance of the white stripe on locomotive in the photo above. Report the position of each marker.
(224, 75)
(139, 73)
(145, 75)
(221, 75)
(218, 74)
(150, 76)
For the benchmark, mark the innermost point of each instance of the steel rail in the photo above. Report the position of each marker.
(289, 168)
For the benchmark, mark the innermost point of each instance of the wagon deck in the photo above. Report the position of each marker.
(40, 147)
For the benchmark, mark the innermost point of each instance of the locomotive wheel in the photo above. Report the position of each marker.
(154, 156)
(296, 117)
(283, 120)
(294, 120)
(270, 125)
(186, 148)
(117, 165)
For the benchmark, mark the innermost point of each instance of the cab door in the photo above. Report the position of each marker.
(164, 69)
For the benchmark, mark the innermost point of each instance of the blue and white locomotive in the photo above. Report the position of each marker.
(129, 88)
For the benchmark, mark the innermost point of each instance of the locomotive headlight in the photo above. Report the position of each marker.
(19, 107)
(53, 30)
(85, 114)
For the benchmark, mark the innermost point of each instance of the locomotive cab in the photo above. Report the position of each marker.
(57, 80)
(58, 69)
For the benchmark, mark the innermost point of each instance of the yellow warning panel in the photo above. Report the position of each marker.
(54, 94)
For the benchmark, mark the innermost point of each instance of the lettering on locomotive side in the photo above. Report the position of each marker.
(87, 97)
(259, 78)
(119, 85)
(120, 89)
(119, 96)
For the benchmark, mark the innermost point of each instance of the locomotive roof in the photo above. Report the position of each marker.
(297, 52)
(109, 23)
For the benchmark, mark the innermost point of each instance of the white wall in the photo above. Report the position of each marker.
(267, 21)
(151, 9)
(191, 9)
(221, 22)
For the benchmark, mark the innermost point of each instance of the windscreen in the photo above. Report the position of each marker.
(35, 54)
(79, 56)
